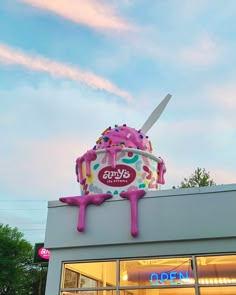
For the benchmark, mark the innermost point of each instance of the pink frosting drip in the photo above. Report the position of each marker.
(133, 196)
(90, 156)
(82, 202)
(113, 151)
(87, 158)
(161, 170)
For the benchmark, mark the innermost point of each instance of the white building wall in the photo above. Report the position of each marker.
(171, 222)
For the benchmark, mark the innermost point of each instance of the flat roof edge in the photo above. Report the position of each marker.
(169, 193)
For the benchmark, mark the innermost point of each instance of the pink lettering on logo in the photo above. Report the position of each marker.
(44, 253)
(121, 175)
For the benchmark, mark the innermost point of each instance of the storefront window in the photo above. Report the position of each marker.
(169, 291)
(156, 272)
(218, 290)
(101, 292)
(213, 275)
(216, 270)
(89, 275)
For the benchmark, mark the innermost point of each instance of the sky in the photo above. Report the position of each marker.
(71, 68)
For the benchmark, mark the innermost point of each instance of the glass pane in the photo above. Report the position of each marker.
(71, 279)
(156, 272)
(217, 269)
(86, 282)
(103, 292)
(218, 291)
(89, 275)
(171, 291)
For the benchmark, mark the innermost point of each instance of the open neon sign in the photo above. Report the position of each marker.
(173, 276)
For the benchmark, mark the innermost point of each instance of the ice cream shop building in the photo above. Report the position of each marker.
(125, 236)
(186, 244)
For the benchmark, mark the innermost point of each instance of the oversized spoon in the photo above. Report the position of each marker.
(155, 114)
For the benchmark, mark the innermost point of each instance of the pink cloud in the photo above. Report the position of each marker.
(92, 13)
(44, 164)
(224, 95)
(223, 176)
(12, 56)
(205, 52)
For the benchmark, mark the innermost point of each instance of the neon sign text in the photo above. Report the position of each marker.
(173, 276)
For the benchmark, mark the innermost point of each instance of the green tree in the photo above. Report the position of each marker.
(199, 178)
(18, 275)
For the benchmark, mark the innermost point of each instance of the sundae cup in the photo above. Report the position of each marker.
(122, 160)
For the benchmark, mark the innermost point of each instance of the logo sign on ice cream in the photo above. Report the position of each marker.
(121, 175)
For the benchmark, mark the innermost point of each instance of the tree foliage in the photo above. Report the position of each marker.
(199, 178)
(18, 275)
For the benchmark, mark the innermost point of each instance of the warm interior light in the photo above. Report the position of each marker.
(124, 275)
(217, 281)
(188, 281)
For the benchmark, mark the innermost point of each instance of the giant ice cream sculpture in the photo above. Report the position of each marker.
(121, 164)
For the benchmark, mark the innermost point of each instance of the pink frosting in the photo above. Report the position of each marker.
(124, 136)
(161, 170)
(82, 202)
(133, 196)
(87, 158)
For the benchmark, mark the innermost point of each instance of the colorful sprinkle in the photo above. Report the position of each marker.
(150, 145)
(99, 139)
(106, 138)
(95, 167)
(105, 130)
(130, 161)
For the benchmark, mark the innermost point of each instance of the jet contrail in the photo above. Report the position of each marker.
(12, 56)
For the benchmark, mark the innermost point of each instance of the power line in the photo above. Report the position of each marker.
(32, 223)
(21, 209)
(20, 200)
(29, 229)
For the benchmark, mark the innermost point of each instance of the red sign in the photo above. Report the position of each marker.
(44, 253)
(121, 175)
